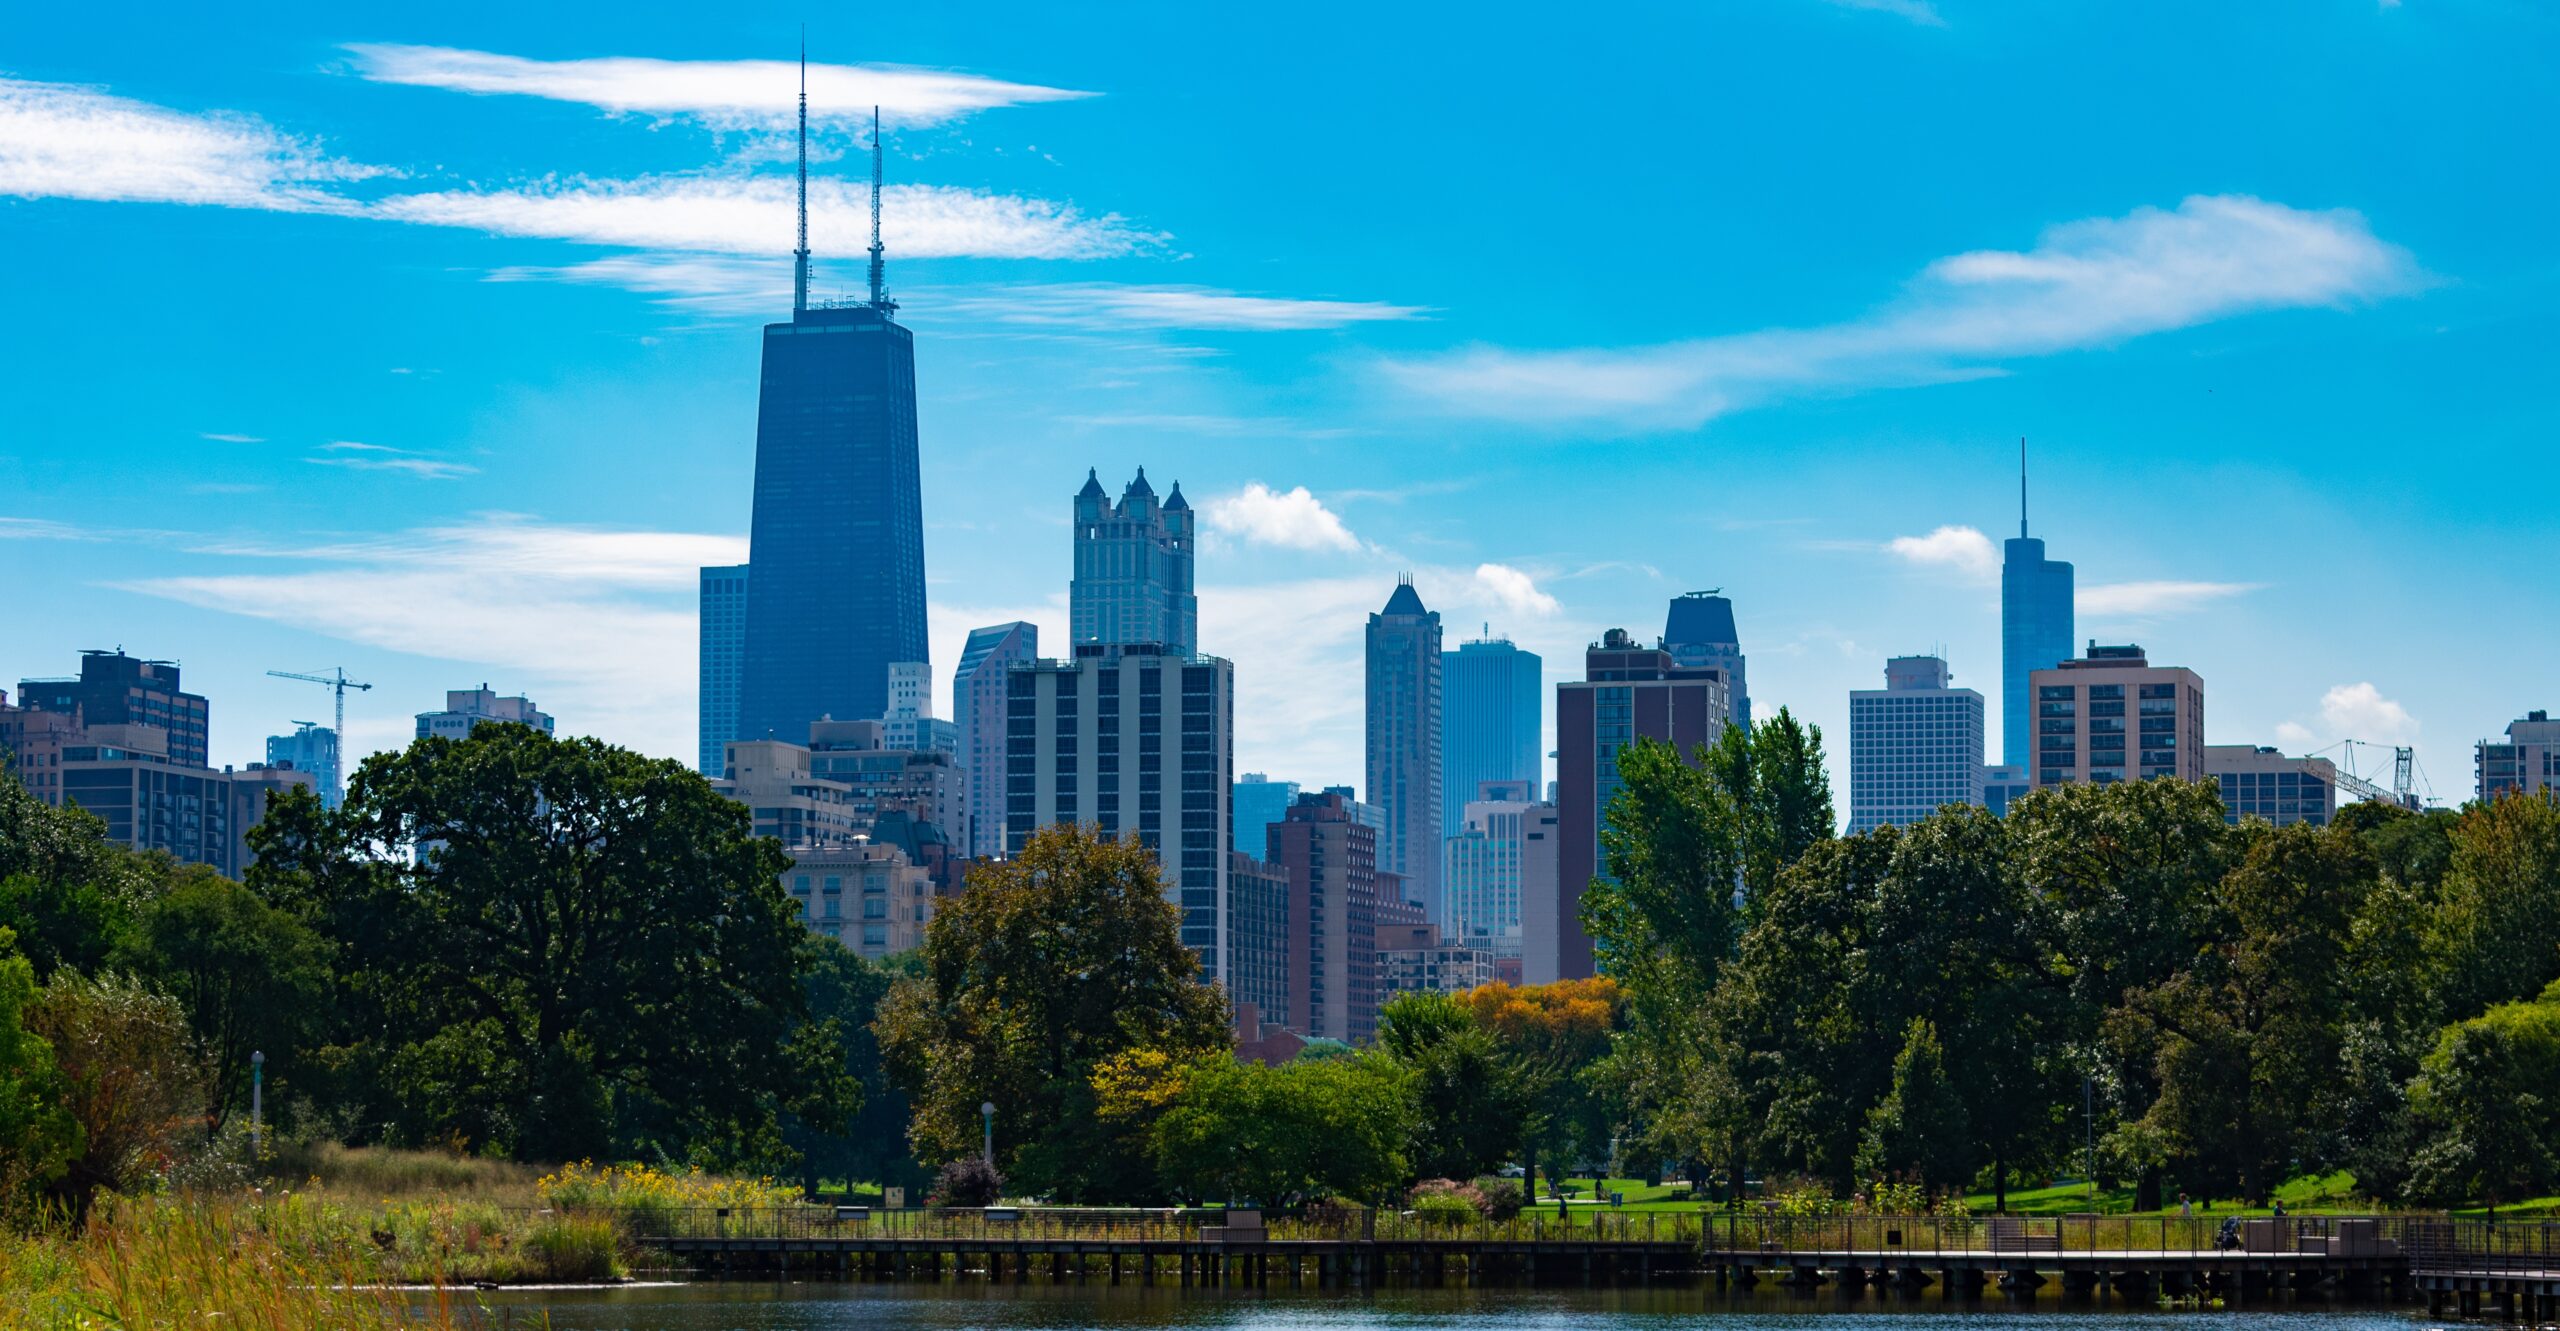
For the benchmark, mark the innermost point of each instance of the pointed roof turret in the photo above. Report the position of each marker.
(1092, 486)
(1406, 600)
(1175, 500)
(1140, 486)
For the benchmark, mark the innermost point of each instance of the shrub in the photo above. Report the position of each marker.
(1502, 1199)
(1441, 1201)
(967, 1181)
(567, 1248)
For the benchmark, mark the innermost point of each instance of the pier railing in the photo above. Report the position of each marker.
(2483, 1247)
(1976, 1235)
(1052, 1225)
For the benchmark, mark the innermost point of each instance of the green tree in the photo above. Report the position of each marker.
(1467, 1091)
(129, 1078)
(587, 955)
(249, 976)
(39, 1137)
(66, 891)
(864, 1133)
(2487, 1101)
(1052, 963)
(1555, 1036)
(1280, 1136)
(1919, 1131)
(2495, 935)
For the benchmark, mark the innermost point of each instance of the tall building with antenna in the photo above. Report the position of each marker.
(836, 545)
(2036, 628)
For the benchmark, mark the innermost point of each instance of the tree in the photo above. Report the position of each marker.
(859, 1127)
(2496, 932)
(129, 1080)
(587, 955)
(1466, 1091)
(1918, 1131)
(2487, 1101)
(1555, 1035)
(39, 1137)
(1280, 1136)
(249, 976)
(66, 891)
(1052, 963)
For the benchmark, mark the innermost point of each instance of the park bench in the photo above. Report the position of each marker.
(2011, 1233)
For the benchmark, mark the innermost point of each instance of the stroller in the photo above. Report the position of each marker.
(2228, 1237)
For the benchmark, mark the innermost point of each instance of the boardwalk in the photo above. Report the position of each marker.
(2509, 1270)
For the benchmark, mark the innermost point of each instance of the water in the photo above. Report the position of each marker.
(971, 1307)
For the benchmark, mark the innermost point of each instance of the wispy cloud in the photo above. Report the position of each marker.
(232, 438)
(1293, 519)
(1963, 549)
(1918, 11)
(724, 94)
(358, 456)
(2086, 284)
(60, 141)
(2137, 600)
(1119, 305)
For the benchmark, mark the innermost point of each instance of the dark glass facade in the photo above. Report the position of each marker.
(837, 543)
(119, 690)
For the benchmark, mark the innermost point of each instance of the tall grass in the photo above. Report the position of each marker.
(375, 1171)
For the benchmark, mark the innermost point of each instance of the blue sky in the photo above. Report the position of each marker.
(426, 344)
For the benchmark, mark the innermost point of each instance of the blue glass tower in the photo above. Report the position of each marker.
(837, 542)
(2036, 631)
(1491, 715)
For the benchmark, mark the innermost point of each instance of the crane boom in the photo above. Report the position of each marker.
(337, 683)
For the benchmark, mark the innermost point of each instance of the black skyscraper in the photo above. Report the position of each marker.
(837, 545)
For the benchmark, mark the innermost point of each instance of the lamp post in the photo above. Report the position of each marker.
(257, 1097)
(987, 1111)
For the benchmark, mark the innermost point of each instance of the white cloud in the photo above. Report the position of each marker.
(1514, 590)
(64, 142)
(1293, 519)
(2086, 284)
(2140, 599)
(382, 457)
(1117, 305)
(725, 94)
(1964, 549)
(232, 438)
(1918, 11)
(2359, 711)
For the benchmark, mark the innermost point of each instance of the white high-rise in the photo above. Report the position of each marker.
(1483, 867)
(1914, 745)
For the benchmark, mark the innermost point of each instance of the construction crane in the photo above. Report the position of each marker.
(336, 682)
(2404, 762)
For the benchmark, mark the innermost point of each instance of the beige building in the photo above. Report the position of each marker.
(866, 896)
(2259, 782)
(2528, 761)
(790, 801)
(1413, 958)
(2113, 716)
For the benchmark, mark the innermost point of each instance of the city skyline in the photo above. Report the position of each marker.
(520, 478)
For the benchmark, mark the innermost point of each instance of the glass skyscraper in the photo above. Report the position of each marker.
(722, 652)
(1133, 569)
(1490, 724)
(2035, 632)
(1699, 634)
(1404, 743)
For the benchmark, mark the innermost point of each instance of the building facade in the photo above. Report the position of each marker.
(785, 796)
(2113, 716)
(1700, 635)
(1482, 867)
(977, 704)
(312, 749)
(1133, 569)
(466, 710)
(2036, 633)
(2002, 784)
(1404, 753)
(1914, 745)
(1414, 958)
(2529, 761)
(882, 775)
(1492, 723)
(1255, 803)
(720, 664)
(113, 689)
(1628, 692)
(1258, 937)
(2259, 782)
(865, 896)
(1131, 739)
(1331, 859)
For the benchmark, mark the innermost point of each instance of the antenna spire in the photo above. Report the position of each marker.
(800, 256)
(2022, 487)
(879, 277)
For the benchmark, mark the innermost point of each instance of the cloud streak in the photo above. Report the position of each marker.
(2086, 284)
(723, 94)
(59, 141)
(2143, 599)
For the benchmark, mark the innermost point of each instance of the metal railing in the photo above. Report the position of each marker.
(1993, 1235)
(2503, 1246)
(1048, 1225)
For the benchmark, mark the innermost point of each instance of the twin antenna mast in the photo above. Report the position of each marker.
(800, 257)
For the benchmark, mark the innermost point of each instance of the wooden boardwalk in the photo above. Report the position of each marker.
(1191, 1261)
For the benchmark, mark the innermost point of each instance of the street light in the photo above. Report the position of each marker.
(257, 1097)
(987, 1110)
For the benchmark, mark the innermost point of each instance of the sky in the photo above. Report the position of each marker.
(422, 340)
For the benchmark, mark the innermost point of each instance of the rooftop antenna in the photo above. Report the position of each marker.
(879, 286)
(2022, 487)
(800, 256)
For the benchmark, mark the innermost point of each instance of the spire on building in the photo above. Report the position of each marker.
(800, 256)
(1140, 486)
(2022, 487)
(879, 274)
(1092, 486)
(1175, 500)
(1405, 601)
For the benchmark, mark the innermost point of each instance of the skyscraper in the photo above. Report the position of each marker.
(2113, 716)
(2036, 628)
(1699, 634)
(1133, 569)
(1484, 864)
(723, 652)
(977, 702)
(1331, 859)
(466, 710)
(1490, 724)
(114, 689)
(1404, 743)
(2527, 762)
(1914, 745)
(837, 541)
(312, 749)
(1258, 802)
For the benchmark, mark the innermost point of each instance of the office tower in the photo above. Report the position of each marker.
(1481, 870)
(113, 689)
(1372, 816)
(722, 658)
(125, 774)
(466, 710)
(312, 749)
(1404, 742)
(910, 723)
(977, 702)
(1133, 569)
(1256, 802)
(837, 538)
(2036, 631)
(864, 895)
(1627, 693)
(1541, 897)
(1699, 634)
(1131, 739)
(2083, 707)
(1914, 745)
(1258, 936)
(2260, 782)
(1331, 858)
(1414, 958)
(2001, 784)
(2529, 761)
(32, 742)
(1490, 724)
(884, 774)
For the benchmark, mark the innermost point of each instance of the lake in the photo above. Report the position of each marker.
(742, 1306)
